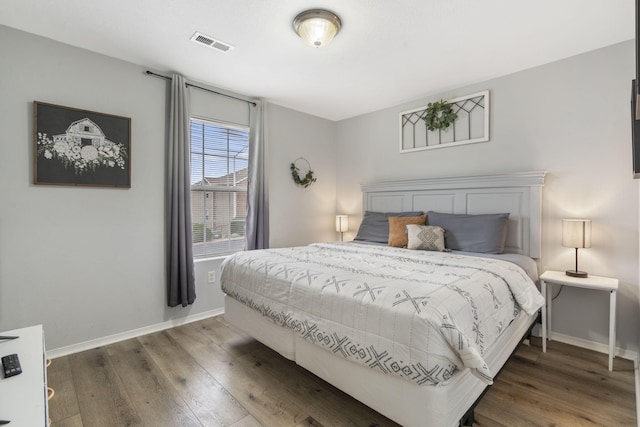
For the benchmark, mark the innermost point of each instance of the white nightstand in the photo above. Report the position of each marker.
(592, 282)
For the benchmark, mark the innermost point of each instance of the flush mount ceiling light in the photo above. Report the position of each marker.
(317, 27)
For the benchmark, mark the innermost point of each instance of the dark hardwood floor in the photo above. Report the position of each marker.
(208, 373)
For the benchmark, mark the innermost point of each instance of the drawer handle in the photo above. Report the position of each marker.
(50, 393)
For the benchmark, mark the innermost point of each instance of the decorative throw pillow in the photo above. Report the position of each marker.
(398, 229)
(425, 237)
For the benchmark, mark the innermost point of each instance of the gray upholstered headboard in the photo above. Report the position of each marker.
(519, 194)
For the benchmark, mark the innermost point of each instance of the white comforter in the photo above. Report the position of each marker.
(416, 314)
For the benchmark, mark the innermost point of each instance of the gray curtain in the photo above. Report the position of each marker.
(181, 282)
(257, 236)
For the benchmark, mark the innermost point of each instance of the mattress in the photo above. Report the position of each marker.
(416, 315)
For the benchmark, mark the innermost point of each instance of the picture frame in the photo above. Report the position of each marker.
(76, 147)
(470, 126)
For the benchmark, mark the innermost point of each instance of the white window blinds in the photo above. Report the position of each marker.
(219, 170)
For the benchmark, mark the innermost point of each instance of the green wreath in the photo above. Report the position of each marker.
(439, 115)
(295, 174)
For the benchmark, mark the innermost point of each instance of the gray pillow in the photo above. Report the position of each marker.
(484, 233)
(375, 226)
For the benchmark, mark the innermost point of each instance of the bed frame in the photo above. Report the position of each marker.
(403, 401)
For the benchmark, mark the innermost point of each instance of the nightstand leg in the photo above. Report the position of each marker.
(543, 288)
(612, 328)
(549, 301)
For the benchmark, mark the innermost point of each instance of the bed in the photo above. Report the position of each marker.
(416, 335)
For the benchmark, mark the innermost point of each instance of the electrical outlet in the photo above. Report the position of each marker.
(212, 276)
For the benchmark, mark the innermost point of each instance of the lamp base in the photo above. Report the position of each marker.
(576, 273)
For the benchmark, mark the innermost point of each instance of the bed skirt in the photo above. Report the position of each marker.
(400, 400)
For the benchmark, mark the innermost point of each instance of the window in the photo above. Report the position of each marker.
(219, 172)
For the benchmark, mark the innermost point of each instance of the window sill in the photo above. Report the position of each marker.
(211, 258)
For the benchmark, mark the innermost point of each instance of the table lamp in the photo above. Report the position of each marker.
(342, 224)
(576, 233)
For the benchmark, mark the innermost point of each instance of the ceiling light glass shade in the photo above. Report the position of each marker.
(317, 27)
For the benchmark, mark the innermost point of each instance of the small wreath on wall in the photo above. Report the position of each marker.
(295, 173)
(439, 115)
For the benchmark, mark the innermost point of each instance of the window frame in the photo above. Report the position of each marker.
(224, 189)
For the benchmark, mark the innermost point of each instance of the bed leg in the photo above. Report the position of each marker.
(529, 335)
(467, 419)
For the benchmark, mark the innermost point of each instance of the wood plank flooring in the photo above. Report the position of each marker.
(208, 373)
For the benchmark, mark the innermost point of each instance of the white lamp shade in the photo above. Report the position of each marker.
(342, 223)
(317, 27)
(576, 233)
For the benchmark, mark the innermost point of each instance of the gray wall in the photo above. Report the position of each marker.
(299, 216)
(84, 262)
(571, 118)
(88, 263)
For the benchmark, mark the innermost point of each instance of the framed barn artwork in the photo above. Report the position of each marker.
(80, 148)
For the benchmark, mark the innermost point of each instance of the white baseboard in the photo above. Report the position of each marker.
(592, 345)
(98, 342)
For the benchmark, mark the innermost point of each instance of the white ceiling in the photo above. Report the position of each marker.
(388, 52)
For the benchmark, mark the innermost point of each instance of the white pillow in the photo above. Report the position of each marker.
(425, 237)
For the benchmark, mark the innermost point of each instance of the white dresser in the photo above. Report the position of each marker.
(23, 398)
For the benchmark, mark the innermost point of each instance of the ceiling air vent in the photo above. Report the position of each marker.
(209, 41)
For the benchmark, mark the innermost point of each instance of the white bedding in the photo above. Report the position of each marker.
(414, 314)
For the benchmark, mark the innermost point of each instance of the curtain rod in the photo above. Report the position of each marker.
(151, 73)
